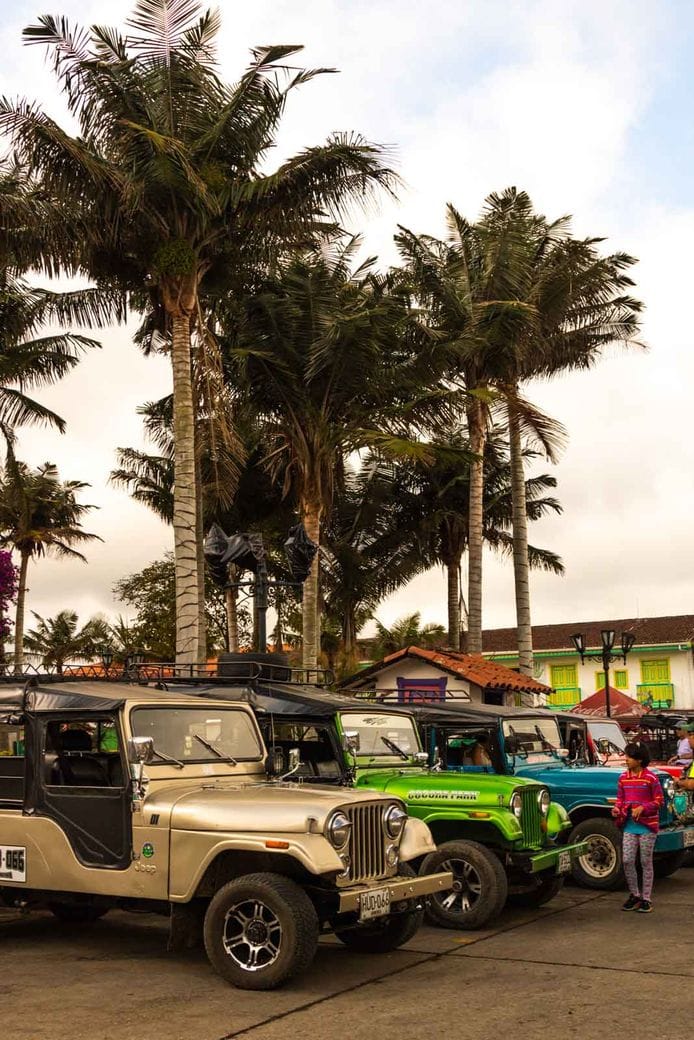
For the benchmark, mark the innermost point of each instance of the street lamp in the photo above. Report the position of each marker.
(606, 655)
(106, 656)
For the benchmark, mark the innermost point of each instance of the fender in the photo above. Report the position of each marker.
(193, 851)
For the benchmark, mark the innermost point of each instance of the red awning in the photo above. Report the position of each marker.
(621, 705)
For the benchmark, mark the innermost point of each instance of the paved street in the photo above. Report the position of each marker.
(579, 967)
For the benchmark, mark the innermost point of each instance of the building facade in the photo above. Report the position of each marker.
(658, 672)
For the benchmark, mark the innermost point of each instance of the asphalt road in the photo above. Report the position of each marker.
(577, 968)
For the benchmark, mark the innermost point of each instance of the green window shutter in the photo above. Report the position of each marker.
(621, 679)
(655, 671)
(563, 676)
(599, 680)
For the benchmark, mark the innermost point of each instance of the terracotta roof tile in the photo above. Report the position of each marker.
(678, 628)
(473, 667)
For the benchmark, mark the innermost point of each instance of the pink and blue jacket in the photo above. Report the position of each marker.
(645, 790)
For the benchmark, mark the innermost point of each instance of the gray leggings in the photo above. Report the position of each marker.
(645, 843)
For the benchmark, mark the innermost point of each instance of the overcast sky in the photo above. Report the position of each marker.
(587, 106)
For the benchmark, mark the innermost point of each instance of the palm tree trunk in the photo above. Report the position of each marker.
(19, 616)
(232, 621)
(478, 436)
(521, 566)
(185, 513)
(453, 586)
(309, 603)
(202, 616)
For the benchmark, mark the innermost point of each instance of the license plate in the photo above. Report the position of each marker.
(13, 863)
(374, 904)
(564, 863)
(688, 838)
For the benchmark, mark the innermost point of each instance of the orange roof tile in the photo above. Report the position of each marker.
(473, 667)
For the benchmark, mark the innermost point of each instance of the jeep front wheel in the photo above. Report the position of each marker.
(479, 885)
(260, 930)
(601, 865)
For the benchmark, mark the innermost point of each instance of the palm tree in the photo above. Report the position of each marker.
(432, 502)
(39, 514)
(467, 289)
(320, 355)
(28, 360)
(165, 178)
(58, 639)
(368, 554)
(407, 631)
(576, 302)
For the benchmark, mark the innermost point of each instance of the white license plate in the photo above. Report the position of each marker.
(13, 863)
(688, 838)
(374, 904)
(564, 863)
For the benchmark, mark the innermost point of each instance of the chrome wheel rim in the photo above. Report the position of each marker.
(467, 887)
(601, 858)
(252, 935)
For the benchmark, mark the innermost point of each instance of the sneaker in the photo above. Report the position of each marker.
(646, 907)
(632, 903)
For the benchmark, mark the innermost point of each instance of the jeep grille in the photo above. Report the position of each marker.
(368, 842)
(531, 817)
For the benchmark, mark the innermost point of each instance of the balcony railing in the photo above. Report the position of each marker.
(656, 695)
(564, 698)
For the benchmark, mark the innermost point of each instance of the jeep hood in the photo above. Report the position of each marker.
(591, 779)
(290, 809)
(456, 788)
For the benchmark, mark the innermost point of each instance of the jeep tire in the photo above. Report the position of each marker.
(260, 930)
(601, 866)
(546, 888)
(479, 888)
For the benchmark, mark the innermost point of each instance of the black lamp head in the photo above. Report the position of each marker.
(579, 642)
(607, 635)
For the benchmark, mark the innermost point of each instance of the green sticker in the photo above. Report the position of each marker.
(148, 850)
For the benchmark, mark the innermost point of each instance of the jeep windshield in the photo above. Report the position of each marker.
(611, 731)
(382, 735)
(190, 735)
(533, 739)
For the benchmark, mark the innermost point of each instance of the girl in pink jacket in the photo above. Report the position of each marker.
(637, 811)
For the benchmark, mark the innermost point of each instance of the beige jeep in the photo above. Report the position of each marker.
(116, 795)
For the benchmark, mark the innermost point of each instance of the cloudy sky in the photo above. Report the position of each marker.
(586, 104)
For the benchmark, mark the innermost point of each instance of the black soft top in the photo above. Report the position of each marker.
(461, 712)
(288, 700)
(34, 697)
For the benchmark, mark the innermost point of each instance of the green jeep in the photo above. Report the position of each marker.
(499, 835)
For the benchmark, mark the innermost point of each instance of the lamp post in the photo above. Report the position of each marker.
(607, 654)
(106, 656)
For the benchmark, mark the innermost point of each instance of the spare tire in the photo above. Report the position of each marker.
(255, 665)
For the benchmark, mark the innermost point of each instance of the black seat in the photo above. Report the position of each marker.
(76, 766)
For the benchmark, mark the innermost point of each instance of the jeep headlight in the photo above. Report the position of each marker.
(338, 830)
(669, 787)
(394, 820)
(516, 804)
(543, 800)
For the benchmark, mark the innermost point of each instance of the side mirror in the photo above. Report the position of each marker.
(352, 741)
(421, 757)
(294, 760)
(140, 750)
(563, 752)
(274, 763)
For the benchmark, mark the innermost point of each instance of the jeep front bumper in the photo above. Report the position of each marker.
(674, 839)
(401, 888)
(559, 858)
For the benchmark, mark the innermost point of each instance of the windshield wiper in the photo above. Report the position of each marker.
(167, 758)
(213, 749)
(392, 746)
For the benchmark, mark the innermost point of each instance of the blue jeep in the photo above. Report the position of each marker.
(527, 742)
